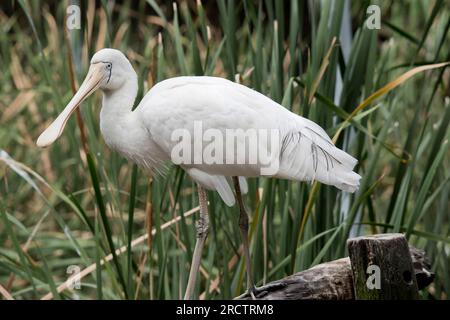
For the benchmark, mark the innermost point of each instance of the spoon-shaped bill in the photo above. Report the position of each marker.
(92, 81)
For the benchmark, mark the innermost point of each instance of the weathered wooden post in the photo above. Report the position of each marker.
(333, 280)
(382, 267)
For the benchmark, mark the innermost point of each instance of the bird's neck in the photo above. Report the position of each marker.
(116, 117)
(119, 103)
(125, 131)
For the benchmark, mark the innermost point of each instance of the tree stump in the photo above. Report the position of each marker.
(382, 267)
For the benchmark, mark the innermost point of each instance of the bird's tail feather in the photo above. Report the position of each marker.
(346, 160)
(313, 159)
(347, 181)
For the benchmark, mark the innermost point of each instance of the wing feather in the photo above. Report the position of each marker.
(306, 151)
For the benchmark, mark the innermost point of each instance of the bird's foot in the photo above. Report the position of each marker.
(255, 292)
(252, 292)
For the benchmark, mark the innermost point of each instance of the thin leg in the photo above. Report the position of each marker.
(202, 226)
(243, 226)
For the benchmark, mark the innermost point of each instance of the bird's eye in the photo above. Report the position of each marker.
(108, 66)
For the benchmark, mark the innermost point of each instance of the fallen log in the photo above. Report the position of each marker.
(332, 281)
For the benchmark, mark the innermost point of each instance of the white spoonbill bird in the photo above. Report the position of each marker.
(178, 113)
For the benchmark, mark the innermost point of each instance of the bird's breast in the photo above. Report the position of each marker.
(129, 137)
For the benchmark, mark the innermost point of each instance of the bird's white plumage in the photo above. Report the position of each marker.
(144, 135)
(307, 151)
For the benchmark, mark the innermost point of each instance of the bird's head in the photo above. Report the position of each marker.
(108, 71)
(112, 67)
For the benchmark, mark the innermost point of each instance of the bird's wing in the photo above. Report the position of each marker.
(305, 150)
(183, 104)
(307, 155)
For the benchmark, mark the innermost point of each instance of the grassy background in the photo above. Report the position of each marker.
(76, 202)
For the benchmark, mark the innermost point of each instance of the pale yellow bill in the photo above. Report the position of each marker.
(93, 80)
